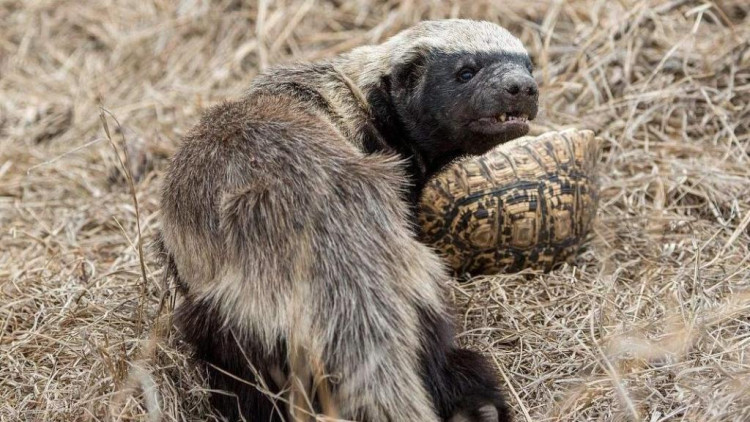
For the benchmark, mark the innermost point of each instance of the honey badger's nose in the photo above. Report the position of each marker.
(518, 94)
(520, 85)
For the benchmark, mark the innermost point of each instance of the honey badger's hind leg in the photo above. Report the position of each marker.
(239, 370)
(241, 375)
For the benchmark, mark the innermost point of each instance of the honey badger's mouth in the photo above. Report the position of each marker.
(510, 124)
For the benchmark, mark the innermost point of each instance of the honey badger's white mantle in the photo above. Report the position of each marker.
(285, 220)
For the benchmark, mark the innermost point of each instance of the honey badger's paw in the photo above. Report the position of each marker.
(475, 391)
(481, 411)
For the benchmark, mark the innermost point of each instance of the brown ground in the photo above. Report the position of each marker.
(652, 324)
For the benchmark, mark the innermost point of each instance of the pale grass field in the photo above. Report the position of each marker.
(651, 324)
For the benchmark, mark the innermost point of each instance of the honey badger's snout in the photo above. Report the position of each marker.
(519, 95)
(503, 103)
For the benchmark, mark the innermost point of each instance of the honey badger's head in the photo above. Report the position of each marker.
(459, 87)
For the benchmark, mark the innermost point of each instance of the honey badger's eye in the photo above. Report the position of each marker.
(464, 75)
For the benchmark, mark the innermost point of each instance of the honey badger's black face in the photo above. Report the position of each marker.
(480, 99)
(465, 103)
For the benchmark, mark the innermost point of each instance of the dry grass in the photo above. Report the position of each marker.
(652, 324)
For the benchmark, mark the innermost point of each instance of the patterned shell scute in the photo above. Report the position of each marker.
(526, 204)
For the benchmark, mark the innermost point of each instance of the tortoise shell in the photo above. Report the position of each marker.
(528, 203)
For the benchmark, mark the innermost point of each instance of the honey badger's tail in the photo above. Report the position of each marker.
(242, 375)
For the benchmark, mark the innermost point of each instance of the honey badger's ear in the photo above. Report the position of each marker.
(408, 69)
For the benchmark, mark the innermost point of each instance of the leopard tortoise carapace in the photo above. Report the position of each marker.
(526, 204)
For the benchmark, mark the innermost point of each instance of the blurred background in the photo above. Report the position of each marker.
(652, 322)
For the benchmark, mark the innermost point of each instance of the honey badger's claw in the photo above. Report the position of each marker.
(486, 413)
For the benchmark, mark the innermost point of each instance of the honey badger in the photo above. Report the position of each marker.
(286, 222)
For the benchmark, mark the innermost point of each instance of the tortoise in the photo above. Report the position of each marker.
(528, 203)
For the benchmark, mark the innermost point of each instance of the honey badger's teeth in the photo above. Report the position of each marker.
(511, 118)
(522, 117)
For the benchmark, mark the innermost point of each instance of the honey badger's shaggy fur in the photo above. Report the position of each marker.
(286, 222)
